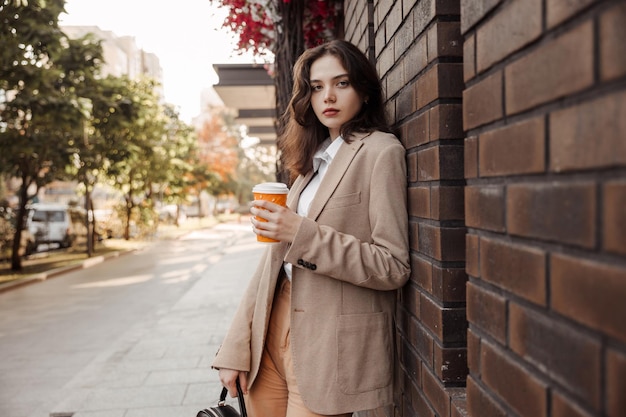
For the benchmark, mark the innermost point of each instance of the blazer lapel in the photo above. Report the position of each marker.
(335, 173)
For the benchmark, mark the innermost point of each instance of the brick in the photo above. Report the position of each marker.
(407, 5)
(559, 68)
(473, 352)
(479, 403)
(440, 162)
(614, 217)
(513, 150)
(450, 364)
(514, 26)
(411, 298)
(447, 202)
(459, 407)
(487, 311)
(390, 109)
(451, 162)
(393, 23)
(416, 58)
(470, 157)
(472, 252)
(417, 130)
(565, 407)
(448, 284)
(590, 135)
(447, 7)
(411, 163)
(615, 383)
(442, 243)
(422, 270)
(515, 268)
(414, 236)
(440, 81)
(386, 57)
(569, 356)
(447, 324)
(484, 207)
(469, 58)
(528, 396)
(395, 80)
(404, 101)
(446, 122)
(556, 212)
(436, 394)
(381, 9)
(444, 40)
(591, 293)
(612, 47)
(423, 14)
(411, 362)
(482, 102)
(472, 11)
(423, 343)
(558, 11)
(419, 202)
(422, 406)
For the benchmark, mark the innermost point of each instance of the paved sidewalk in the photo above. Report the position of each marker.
(161, 366)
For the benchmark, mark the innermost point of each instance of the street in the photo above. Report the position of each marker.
(129, 337)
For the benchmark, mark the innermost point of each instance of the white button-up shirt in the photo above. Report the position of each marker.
(321, 160)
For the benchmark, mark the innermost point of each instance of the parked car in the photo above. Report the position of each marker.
(51, 223)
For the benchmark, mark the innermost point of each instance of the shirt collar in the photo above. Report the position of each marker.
(326, 152)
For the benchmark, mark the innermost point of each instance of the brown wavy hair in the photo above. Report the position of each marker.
(303, 131)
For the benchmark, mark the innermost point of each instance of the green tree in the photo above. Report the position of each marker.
(82, 63)
(39, 112)
(151, 155)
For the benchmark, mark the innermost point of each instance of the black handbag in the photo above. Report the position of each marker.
(224, 410)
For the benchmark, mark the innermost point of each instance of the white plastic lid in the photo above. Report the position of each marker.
(271, 188)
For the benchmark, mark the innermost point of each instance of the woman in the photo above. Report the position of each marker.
(314, 332)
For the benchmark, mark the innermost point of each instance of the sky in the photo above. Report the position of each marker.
(186, 35)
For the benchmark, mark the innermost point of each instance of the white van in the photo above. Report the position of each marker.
(50, 223)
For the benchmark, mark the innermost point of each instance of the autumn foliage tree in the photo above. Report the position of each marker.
(218, 149)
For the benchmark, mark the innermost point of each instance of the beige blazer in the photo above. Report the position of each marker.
(349, 256)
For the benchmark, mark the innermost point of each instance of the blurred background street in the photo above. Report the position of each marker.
(132, 336)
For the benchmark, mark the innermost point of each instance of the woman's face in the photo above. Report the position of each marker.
(333, 98)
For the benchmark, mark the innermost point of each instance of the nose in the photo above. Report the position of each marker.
(329, 96)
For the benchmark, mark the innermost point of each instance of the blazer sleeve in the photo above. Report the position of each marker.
(379, 260)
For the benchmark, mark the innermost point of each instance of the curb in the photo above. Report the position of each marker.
(42, 276)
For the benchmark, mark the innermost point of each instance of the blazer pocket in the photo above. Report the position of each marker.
(343, 200)
(365, 353)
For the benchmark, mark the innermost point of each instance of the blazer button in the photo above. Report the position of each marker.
(300, 262)
(313, 267)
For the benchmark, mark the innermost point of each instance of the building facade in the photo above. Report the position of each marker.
(513, 115)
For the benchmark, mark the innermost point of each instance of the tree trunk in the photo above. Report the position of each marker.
(88, 220)
(16, 258)
(289, 46)
(129, 211)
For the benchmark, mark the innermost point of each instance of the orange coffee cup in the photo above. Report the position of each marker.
(276, 192)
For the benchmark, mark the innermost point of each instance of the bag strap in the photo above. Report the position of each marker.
(242, 404)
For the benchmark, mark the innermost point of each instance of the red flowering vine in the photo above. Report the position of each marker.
(255, 22)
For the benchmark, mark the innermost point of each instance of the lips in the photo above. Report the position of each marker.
(330, 112)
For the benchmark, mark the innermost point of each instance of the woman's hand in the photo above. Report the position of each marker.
(229, 377)
(281, 223)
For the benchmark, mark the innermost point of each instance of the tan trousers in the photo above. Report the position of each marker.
(275, 392)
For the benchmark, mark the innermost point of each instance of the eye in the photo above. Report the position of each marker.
(343, 83)
(316, 87)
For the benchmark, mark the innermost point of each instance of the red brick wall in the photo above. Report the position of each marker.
(418, 50)
(513, 113)
(544, 109)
